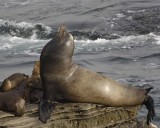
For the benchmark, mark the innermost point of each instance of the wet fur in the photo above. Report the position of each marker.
(56, 66)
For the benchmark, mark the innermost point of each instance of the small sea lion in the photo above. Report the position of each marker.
(65, 81)
(12, 81)
(21, 90)
(34, 90)
(13, 103)
(35, 81)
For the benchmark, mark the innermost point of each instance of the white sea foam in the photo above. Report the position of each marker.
(23, 25)
(157, 38)
(140, 39)
(124, 42)
(98, 41)
(33, 46)
(19, 2)
(6, 46)
(17, 45)
(14, 23)
(131, 11)
(120, 15)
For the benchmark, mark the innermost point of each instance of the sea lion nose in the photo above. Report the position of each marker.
(61, 31)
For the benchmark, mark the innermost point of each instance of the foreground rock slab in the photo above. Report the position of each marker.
(71, 115)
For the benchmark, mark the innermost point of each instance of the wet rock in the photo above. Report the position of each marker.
(76, 115)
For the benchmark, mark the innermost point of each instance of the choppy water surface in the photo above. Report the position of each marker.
(118, 38)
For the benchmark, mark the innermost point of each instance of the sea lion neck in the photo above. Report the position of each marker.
(60, 64)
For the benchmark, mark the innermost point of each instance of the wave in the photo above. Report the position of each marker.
(124, 42)
(154, 55)
(112, 59)
(21, 46)
(24, 29)
(28, 39)
(33, 46)
(42, 31)
(120, 59)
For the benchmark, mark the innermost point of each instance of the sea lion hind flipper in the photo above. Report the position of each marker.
(148, 90)
(45, 109)
(149, 103)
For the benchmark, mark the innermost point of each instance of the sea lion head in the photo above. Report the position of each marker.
(13, 81)
(25, 76)
(63, 42)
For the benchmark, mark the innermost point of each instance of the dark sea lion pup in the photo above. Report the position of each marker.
(12, 81)
(64, 81)
(12, 102)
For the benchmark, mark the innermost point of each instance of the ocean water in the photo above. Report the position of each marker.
(117, 38)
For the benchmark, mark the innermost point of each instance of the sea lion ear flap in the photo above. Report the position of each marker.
(61, 30)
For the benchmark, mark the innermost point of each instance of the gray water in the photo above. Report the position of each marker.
(118, 38)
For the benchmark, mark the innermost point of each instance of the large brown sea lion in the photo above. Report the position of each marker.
(12, 81)
(64, 81)
(12, 102)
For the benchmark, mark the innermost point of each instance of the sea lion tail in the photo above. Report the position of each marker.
(149, 103)
(45, 109)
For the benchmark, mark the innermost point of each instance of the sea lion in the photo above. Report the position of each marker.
(65, 81)
(12, 102)
(29, 94)
(21, 90)
(36, 69)
(35, 96)
(12, 81)
(35, 81)
(34, 90)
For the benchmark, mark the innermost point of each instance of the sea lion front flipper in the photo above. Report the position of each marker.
(149, 103)
(45, 109)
